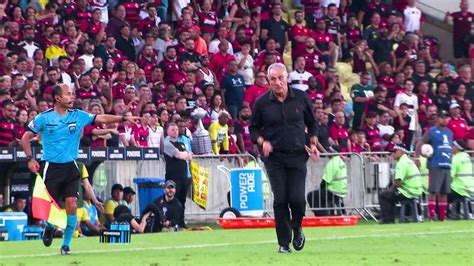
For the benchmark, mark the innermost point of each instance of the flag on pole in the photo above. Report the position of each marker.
(44, 207)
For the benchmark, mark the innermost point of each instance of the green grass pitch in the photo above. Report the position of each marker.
(438, 243)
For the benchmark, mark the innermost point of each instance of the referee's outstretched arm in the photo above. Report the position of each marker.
(107, 119)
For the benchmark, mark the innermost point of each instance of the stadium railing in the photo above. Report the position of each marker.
(368, 175)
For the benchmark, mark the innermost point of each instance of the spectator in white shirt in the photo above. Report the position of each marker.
(245, 62)
(414, 19)
(298, 78)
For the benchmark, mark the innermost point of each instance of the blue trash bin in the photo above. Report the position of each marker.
(149, 188)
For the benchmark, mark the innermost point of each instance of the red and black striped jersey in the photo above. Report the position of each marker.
(146, 24)
(311, 59)
(373, 138)
(7, 131)
(132, 12)
(208, 21)
(171, 70)
(82, 17)
(92, 93)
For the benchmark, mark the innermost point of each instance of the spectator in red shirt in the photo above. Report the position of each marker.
(96, 134)
(254, 91)
(170, 66)
(314, 63)
(141, 131)
(324, 42)
(457, 124)
(208, 19)
(424, 100)
(338, 132)
(146, 24)
(372, 132)
(365, 14)
(402, 122)
(7, 124)
(467, 113)
(270, 46)
(298, 35)
(352, 33)
(220, 60)
(22, 122)
(81, 15)
(242, 130)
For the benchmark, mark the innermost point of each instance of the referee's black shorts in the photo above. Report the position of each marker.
(61, 179)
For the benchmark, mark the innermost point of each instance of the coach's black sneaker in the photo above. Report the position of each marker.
(298, 239)
(48, 234)
(65, 250)
(283, 249)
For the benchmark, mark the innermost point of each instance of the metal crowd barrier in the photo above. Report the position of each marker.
(123, 172)
(368, 175)
(377, 177)
(352, 203)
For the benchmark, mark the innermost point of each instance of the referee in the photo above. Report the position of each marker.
(61, 128)
(279, 123)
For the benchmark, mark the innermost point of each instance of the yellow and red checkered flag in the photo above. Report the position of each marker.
(44, 207)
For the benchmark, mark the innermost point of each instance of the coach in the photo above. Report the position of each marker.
(280, 119)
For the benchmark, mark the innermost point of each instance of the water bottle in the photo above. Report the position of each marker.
(113, 226)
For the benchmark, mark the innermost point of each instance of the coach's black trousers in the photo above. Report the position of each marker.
(287, 174)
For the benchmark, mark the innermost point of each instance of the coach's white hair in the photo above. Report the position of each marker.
(277, 66)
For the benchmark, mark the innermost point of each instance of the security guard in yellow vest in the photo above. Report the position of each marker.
(407, 184)
(424, 173)
(462, 185)
(333, 187)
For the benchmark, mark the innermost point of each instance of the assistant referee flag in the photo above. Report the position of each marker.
(44, 207)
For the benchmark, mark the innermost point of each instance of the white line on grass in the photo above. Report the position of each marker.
(421, 234)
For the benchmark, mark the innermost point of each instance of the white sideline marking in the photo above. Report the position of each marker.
(422, 234)
(385, 230)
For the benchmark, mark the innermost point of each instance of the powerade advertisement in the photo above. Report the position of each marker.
(246, 194)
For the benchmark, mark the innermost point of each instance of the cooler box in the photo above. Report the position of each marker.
(13, 223)
(148, 189)
(246, 194)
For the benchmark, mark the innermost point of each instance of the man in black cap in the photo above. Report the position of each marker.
(441, 138)
(128, 194)
(168, 212)
(333, 187)
(112, 203)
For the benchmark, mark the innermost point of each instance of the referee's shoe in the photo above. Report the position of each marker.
(298, 239)
(48, 235)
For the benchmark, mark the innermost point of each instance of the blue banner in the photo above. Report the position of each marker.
(246, 194)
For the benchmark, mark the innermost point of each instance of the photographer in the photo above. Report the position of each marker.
(168, 213)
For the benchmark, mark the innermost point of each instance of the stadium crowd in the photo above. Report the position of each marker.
(163, 60)
(201, 65)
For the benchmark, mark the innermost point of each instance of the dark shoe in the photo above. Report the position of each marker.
(298, 239)
(48, 236)
(65, 250)
(283, 249)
